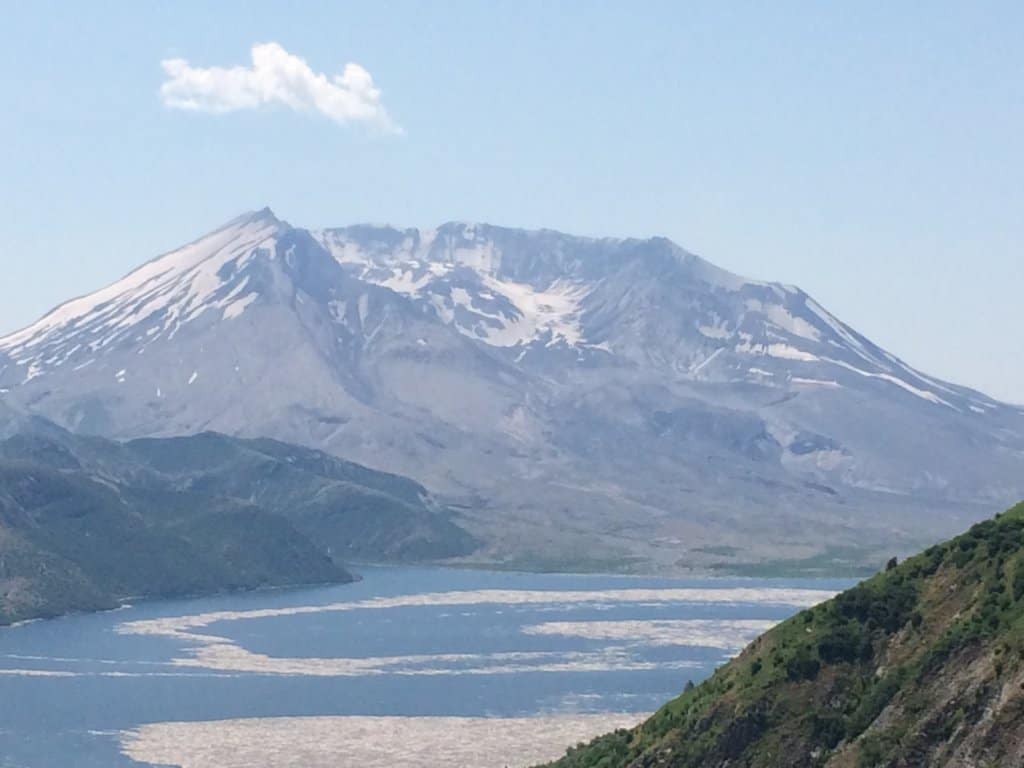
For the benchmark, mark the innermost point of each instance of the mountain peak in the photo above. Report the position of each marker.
(171, 289)
(264, 216)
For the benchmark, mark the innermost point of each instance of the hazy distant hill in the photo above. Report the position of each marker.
(85, 522)
(922, 665)
(608, 403)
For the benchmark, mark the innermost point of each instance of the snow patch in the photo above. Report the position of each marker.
(780, 316)
(553, 311)
(922, 393)
(703, 363)
(714, 331)
(236, 308)
(815, 382)
(781, 351)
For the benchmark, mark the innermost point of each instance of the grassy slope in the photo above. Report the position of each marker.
(919, 665)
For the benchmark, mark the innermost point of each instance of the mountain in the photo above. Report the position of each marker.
(585, 403)
(921, 665)
(86, 522)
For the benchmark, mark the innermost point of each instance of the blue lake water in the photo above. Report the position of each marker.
(416, 643)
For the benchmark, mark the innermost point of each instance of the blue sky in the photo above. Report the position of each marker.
(867, 152)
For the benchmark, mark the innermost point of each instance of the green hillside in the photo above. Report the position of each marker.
(86, 522)
(920, 665)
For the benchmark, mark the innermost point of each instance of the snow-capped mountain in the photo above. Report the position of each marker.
(646, 301)
(622, 391)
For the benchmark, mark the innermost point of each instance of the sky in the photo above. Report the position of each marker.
(867, 152)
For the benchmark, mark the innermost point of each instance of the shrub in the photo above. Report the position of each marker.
(846, 642)
(802, 666)
(827, 730)
(1018, 582)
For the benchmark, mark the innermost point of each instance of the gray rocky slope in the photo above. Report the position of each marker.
(586, 403)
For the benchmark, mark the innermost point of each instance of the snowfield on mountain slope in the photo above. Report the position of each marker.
(170, 290)
(425, 265)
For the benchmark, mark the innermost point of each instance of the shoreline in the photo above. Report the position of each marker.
(130, 601)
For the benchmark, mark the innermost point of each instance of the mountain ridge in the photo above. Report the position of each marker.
(269, 225)
(561, 390)
(86, 522)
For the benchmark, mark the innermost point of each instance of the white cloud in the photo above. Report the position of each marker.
(276, 77)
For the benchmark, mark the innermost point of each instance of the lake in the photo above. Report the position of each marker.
(410, 667)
